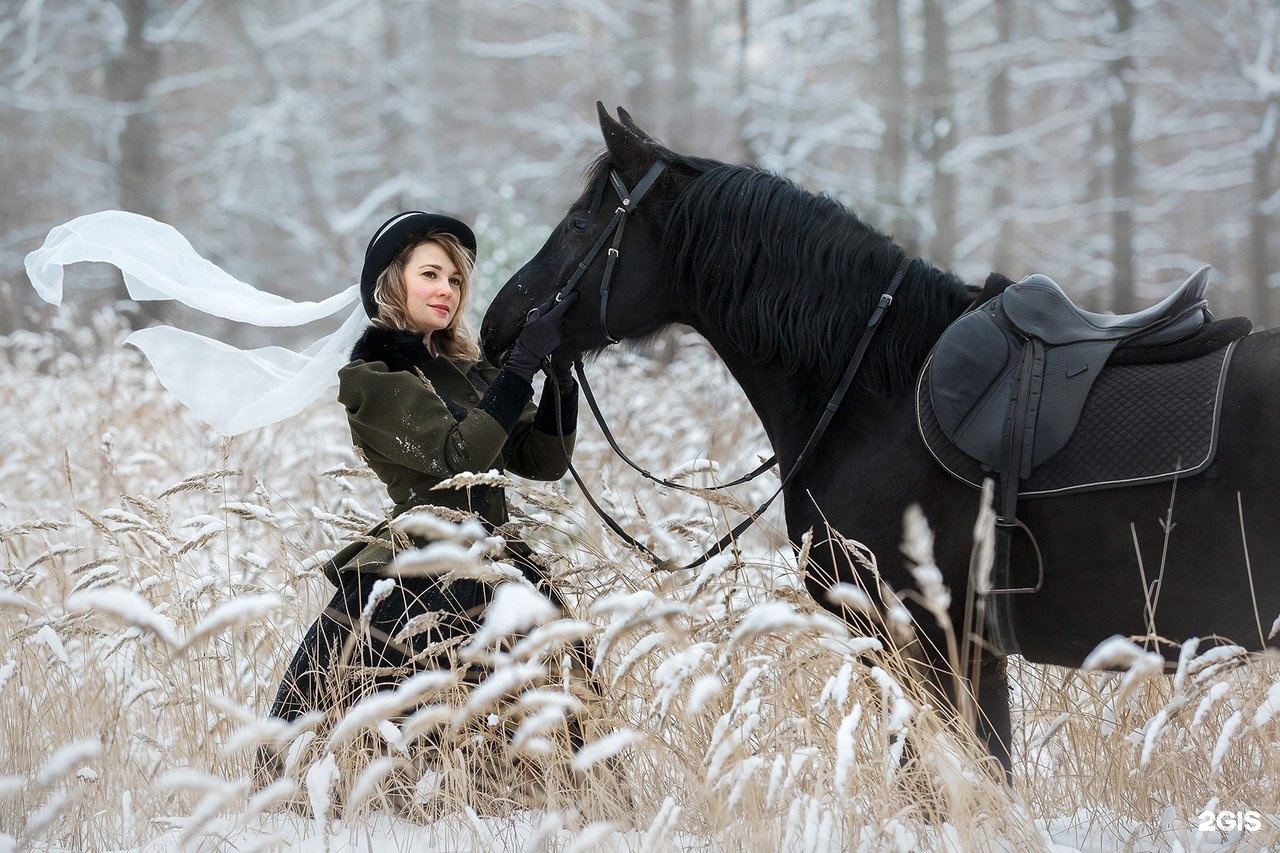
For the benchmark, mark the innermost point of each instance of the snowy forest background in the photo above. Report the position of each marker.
(1115, 145)
(154, 577)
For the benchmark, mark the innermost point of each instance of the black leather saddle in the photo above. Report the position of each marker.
(1005, 388)
(1009, 380)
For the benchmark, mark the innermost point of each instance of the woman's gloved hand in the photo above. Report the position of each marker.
(558, 408)
(539, 337)
(562, 369)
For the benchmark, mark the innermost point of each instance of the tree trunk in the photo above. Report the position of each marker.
(892, 160)
(640, 70)
(127, 80)
(445, 92)
(684, 101)
(1260, 217)
(741, 106)
(1123, 167)
(939, 131)
(315, 205)
(1001, 126)
(397, 133)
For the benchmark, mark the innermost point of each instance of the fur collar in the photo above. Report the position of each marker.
(398, 349)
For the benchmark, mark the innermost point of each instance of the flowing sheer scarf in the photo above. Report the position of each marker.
(232, 390)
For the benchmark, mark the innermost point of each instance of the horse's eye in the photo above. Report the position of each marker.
(579, 223)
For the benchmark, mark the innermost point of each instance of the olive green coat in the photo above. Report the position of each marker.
(417, 420)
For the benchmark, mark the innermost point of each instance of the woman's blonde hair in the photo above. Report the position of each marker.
(457, 341)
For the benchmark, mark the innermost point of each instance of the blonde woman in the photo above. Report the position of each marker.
(423, 405)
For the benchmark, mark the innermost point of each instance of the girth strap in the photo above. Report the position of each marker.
(1017, 447)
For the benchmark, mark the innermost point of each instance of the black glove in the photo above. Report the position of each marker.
(562, 369)
(539, 337)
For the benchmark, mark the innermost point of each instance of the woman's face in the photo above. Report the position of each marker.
(432, 288)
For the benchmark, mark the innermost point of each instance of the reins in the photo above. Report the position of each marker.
(608, 435)
(615, 227)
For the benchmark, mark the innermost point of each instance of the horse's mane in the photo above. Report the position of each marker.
(793, 277)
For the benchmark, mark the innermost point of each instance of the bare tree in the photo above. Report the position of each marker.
(277, 135)
(1262, 214)
(684, 99)
(741, 104)
(1121, 90)
(939, 130)
(129, 76)
(893, 101)
(1002, 128)
(1260, 69)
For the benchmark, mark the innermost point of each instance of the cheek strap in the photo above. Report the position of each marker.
(628, 200)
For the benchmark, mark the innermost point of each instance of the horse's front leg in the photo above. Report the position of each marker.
(993, 725)
(986, 686)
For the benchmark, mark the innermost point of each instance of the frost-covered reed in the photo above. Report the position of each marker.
(155, 580)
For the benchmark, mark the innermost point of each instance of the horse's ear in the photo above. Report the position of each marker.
(626, 146)
(630, 124)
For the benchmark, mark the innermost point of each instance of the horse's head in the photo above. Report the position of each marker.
(622, 291)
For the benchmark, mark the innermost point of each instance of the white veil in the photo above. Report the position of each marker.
(232, 390)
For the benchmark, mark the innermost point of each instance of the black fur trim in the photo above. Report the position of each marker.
(397, 349)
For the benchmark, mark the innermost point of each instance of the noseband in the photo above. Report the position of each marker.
(630, 199)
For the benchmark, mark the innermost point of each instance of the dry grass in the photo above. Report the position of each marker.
(156, 579)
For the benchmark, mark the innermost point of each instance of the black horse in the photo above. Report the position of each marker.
(781, 282)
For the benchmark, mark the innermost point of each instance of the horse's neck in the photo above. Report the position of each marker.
(780, 402)
(790, 405)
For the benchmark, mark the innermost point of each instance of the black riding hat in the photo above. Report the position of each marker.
(397, 232)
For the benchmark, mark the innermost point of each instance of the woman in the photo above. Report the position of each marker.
(423, 406)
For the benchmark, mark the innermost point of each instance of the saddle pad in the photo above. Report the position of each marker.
(1142, 423)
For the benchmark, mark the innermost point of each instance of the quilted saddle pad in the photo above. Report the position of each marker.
(1141, 423)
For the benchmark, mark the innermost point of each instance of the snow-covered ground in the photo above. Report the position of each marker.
(155, 578)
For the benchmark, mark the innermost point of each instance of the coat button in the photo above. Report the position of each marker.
(473, 398)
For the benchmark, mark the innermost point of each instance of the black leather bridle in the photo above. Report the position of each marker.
(630, 199)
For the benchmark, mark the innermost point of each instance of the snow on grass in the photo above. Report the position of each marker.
(156, 579)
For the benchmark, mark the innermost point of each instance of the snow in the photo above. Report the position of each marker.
(515, 608)
(372, 710)
(62, 761)
(430, 526)
(1269, 708)
(237, 611)
(605, 748)
(1224, 740)
(692, 467)
(49, 637)
(505, 681)
(127, 606)
(663, 636)
(368, 780)
(844, 748)
(769, 618)
(320, 779)
(703, 691)
(850, 596)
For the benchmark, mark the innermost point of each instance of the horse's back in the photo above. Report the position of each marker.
(1112, 557)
